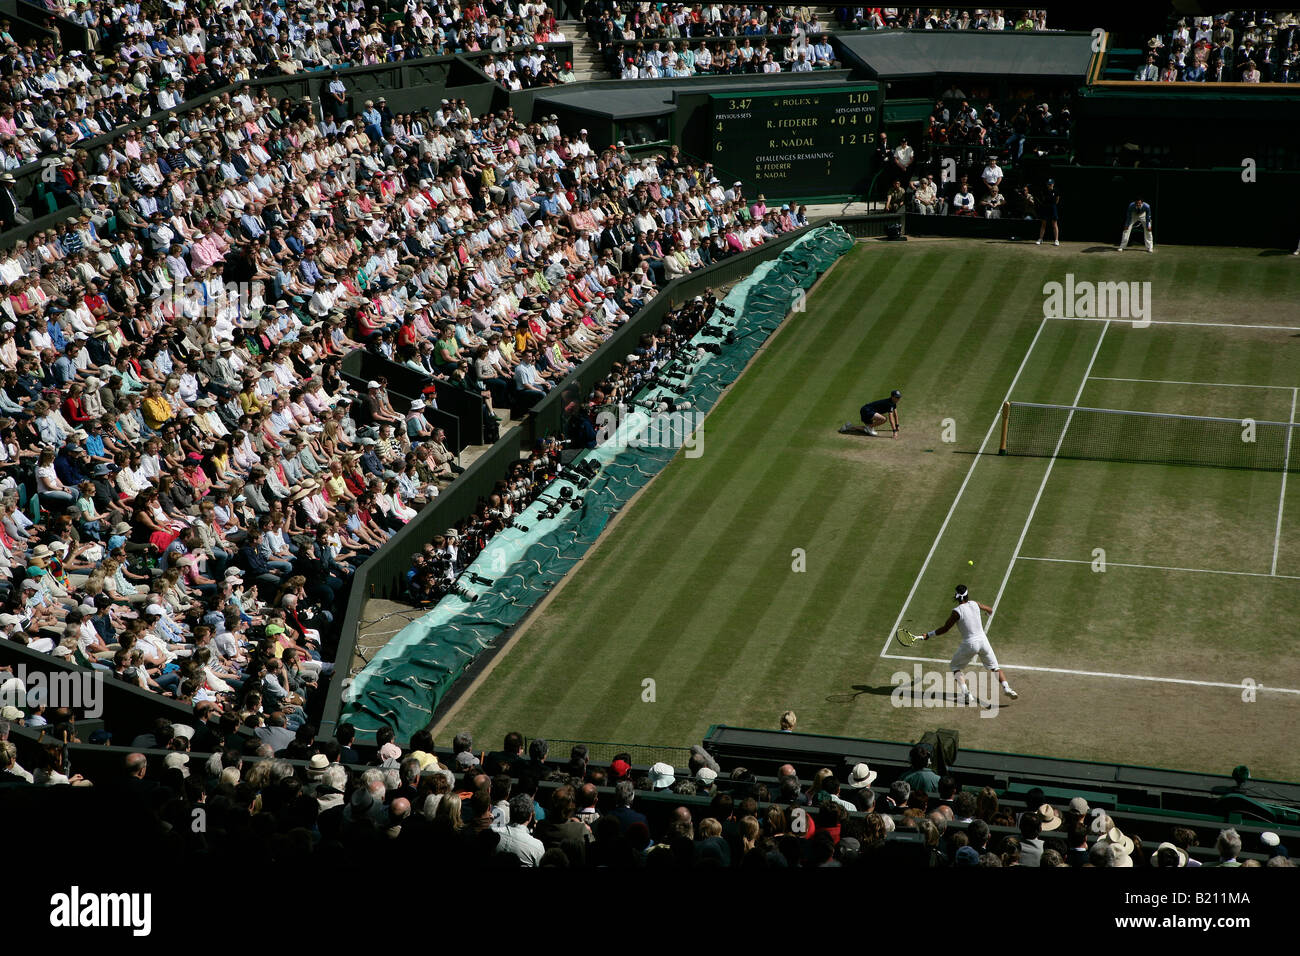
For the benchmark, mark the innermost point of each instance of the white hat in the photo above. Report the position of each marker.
(177, 761)
(1118, 855)
(1182, 857)
(661, 776)
(417, 405)
(706, 776)
(1115, 837)
(372, 384)
(862, 776)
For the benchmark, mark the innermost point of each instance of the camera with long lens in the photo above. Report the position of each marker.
(459, 591)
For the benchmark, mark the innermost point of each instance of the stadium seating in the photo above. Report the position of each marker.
(187, 311)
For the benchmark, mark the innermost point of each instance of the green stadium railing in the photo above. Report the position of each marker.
(1148, 788)
(604, 752)
(126, 708)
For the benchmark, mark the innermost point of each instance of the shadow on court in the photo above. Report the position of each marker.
(858, 690)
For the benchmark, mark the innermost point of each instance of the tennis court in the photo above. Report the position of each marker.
(1102, 569)
(770, 573)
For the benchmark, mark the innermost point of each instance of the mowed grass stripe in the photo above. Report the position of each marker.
(874, 291)
(719, 647)
(703, 586)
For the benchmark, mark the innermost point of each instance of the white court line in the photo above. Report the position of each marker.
(1286, 464)
(1161, 567)
(1047, 474)
(969, 471)
(1065, 670)
(1207, 325)
(1161, 381)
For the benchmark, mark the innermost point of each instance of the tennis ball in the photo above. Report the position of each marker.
(971, 563)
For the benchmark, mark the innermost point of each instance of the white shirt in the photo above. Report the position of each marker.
(516, 839)
(969, 622)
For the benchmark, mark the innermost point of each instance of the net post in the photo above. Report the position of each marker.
(1006, 418)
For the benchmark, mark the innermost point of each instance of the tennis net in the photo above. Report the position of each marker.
(1111, 434)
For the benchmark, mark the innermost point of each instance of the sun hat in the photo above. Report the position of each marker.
(1155, 857)
(1048, 817)
(661, 776)
(862, 776)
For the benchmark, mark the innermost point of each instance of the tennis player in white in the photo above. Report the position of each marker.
(974, 642)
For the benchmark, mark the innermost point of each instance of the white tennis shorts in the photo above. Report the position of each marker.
(973, 647)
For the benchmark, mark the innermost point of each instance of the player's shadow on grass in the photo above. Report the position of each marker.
(858, 691)
(1274, 252)
(1098, 249)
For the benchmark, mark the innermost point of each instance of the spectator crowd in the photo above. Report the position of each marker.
(652, 41)
(188, 479)
(947, 18)
(282, 790)
(1241, 47)
(152, 59)
(958, 169)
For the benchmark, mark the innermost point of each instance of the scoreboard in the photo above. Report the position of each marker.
(802, 143)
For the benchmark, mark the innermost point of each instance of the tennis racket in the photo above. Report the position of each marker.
(906, 637)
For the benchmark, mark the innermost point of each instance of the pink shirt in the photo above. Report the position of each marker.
(205, 252)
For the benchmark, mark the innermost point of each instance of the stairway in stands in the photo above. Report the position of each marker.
(588, 63)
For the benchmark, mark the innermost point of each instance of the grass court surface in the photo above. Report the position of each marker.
(694, 586)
